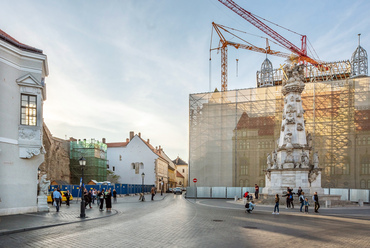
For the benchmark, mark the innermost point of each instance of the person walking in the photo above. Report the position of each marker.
(114, 195)
(153, 193)
(60, 192)
(94, 196)
(68, 196)
(276, 208)
(306, 204)
(299, 191)
(256, 191)
(98, 198)
(57, 199)
(315, 198)
(89, 197)
(291, 199)
(108, 200)
(301, 200)
(101, 198)
(287, 195)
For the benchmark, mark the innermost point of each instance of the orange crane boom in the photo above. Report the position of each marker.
(223, 48)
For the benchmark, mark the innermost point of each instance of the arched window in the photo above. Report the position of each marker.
(240, 183)
(246, 183)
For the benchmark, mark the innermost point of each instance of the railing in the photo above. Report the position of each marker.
(354, 195)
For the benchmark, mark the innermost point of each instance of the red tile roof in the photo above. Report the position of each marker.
(117, 144)
(178, 174)
(5, 37)
(265, 124)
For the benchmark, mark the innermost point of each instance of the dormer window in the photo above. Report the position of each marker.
(29, 110)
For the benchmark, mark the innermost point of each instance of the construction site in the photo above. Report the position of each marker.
(232, 131)
(95, 153)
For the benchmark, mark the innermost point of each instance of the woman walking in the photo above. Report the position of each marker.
(101, 198)
(276, 208)
(108, 200)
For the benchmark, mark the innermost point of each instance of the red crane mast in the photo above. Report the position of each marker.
(302, 53)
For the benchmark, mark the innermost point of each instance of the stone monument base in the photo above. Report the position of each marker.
(277, 181)
(42, 203)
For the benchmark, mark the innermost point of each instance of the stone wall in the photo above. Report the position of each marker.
(56, 164)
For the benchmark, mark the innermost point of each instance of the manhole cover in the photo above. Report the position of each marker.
(251, 227)
(218, 220)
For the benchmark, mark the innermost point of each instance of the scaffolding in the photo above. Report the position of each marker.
(230, 133)
(95, 153)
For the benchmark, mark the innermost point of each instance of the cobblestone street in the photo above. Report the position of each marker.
(173, 221)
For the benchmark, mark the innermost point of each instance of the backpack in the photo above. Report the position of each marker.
(247, 205)
(291, 197)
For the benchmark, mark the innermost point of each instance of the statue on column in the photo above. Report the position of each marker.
(269, 161)
(304, 160)
(44, 185)
(274, 160)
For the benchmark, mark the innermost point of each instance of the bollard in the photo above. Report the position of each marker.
(361, 202)
(235, 198)
(328, 203)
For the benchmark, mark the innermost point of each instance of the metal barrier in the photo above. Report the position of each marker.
(354, 195)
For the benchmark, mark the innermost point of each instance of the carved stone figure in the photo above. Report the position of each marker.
(274, 158)
(290, 119)
(312, 176)
(269, 161)
(316, 160)
(309, 140)
(289, 157)
(290, 108)
(288, 138)
(304, 160)
(299, 127)
(44, 185)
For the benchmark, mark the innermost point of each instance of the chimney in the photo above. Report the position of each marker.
(103, 140)
(131, 135)
(127, 140)
(148, 141)
(140, 135)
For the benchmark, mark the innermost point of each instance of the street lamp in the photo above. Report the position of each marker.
(142, 189)
(82, 162)
(162, 187)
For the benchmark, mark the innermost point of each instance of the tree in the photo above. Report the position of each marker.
(111, 177)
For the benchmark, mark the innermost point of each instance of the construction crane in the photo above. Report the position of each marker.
(224, 50)
(251, 18)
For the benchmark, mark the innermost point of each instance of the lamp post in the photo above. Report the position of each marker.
(162, 187)
(82, 162)
(142, 189)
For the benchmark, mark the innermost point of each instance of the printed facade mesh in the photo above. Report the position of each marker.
(230, 133)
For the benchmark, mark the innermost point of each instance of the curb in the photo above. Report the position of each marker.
(53, 225)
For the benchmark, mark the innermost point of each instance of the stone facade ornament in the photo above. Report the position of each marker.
(299, 127)
(269, 161)
(316, 160)
(44, 185)
(304, 160)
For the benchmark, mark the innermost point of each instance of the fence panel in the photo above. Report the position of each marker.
(218, 192)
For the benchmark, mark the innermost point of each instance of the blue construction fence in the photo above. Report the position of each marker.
(121, 189)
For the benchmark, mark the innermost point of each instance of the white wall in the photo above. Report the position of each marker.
(135, 151)
(20, 146)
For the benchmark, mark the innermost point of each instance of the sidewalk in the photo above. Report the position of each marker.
(66, 215)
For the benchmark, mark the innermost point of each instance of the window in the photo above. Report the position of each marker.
(114, 168)
(183, 170)
(120, 157)
(28, 110)
(362, 184)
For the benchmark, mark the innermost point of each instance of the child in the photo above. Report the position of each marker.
(306, 204)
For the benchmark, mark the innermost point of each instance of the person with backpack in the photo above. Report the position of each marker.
(306, 204)
(287, 195)
(301, 200)
(276, 208)
(250, 206)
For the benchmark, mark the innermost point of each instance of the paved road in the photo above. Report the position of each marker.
(177, 222)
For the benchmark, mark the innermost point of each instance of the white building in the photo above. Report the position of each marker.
(135, 156)
(22, 93)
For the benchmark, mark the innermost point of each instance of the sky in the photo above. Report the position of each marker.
(130, 65)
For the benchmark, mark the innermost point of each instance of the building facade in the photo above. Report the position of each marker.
(22, 93)
(135, 156)
(182, 169)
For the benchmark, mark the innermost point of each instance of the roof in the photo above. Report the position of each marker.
(117, 144)
(178, 174)
(264, 124)
(59, 182)
(179, 161)
(7, 38)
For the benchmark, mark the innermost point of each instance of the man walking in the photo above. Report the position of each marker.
(57, 199)
(315, 198)
(153, 193)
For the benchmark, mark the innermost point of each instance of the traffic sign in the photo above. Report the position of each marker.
(195, 180)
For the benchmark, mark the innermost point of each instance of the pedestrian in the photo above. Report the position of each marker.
(68, 196)
(299, 191)
(291, 200)
(287, 195)
(93, 196)
(315, 198)
(60, 192)
(98, 198)
(256, 191)
(276, 208)
(301, 200)
(101, 198)
(306, 204)
(89, 198)
(57, 199)
(108, 200)
(153, 193)
(114, 195)
(86, 197)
